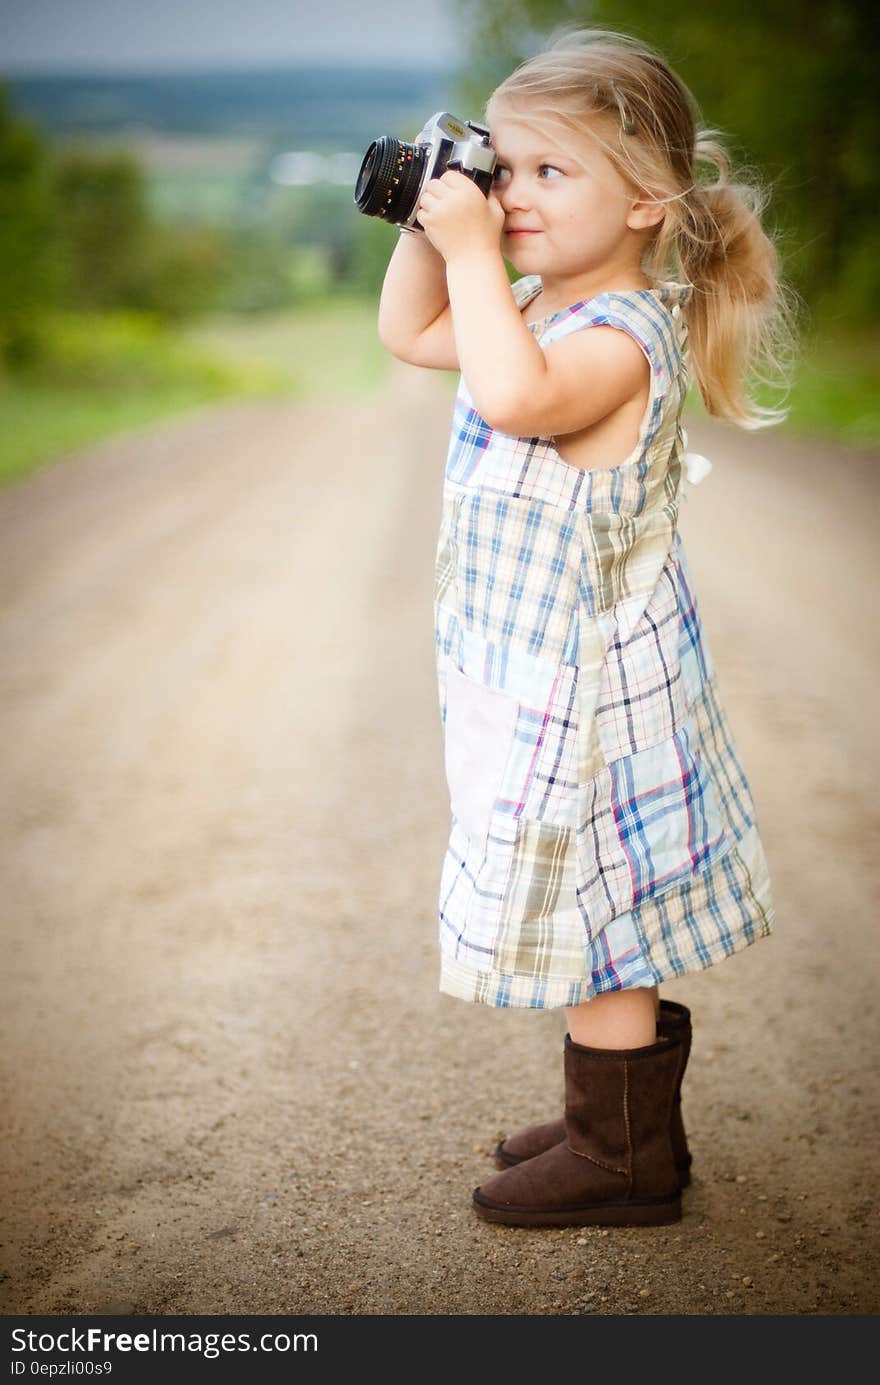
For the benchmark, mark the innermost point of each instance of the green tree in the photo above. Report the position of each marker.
(28, 272)
(104, 228)
(792, 85)
(180, 271)
(116, 255)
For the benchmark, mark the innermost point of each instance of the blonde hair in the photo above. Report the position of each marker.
(740, 315)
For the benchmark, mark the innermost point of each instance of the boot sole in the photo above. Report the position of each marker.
(502, 1161)
(639, 1212)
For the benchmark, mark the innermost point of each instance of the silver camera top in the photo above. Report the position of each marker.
(470, 142)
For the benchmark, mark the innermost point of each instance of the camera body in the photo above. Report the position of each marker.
(393, 173)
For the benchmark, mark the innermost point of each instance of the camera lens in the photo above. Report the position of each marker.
(390, 177)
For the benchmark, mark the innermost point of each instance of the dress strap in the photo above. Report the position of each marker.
(640, 313)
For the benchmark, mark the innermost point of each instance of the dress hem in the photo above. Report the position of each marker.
(502, 990)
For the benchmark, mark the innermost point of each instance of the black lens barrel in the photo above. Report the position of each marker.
(390, 178)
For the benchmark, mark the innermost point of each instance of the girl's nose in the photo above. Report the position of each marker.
(511, 193)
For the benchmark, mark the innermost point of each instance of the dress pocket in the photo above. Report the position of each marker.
(479, 733)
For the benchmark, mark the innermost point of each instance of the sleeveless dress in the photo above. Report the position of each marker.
(603, 834)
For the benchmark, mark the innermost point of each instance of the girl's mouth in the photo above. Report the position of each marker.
(523, 233)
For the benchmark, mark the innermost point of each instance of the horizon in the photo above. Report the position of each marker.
(231, 69)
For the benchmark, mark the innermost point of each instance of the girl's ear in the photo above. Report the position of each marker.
(645, 213)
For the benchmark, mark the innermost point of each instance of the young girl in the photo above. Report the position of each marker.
(603, 835)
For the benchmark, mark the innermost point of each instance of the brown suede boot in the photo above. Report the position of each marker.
(615, 1165)
(674, 1022)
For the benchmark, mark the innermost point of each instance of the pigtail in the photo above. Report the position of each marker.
(740, 315)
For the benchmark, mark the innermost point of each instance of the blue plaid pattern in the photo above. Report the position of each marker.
(611, 838)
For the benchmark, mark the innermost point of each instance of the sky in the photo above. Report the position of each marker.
(124, 36)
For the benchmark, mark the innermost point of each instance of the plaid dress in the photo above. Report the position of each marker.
(603, 834)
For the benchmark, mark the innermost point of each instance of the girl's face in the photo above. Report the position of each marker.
(564, 218)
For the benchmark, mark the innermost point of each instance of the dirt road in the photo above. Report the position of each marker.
(230, 1083)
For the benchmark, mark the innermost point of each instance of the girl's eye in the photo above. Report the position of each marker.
(502, 169)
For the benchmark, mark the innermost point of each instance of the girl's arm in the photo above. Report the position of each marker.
(518, 386)
(415, 319)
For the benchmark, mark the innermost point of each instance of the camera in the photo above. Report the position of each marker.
(393, 172)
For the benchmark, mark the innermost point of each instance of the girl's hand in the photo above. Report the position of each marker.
(457, 218)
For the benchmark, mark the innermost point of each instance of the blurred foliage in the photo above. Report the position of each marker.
(793, 86)
(122, 350)
(77, 234)
(110, 251)
(373, 247)
(28, 270)
(101, 228)
(332, 343)
(105, 372)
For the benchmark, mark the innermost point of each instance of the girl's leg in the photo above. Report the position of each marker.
(616, 1019)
